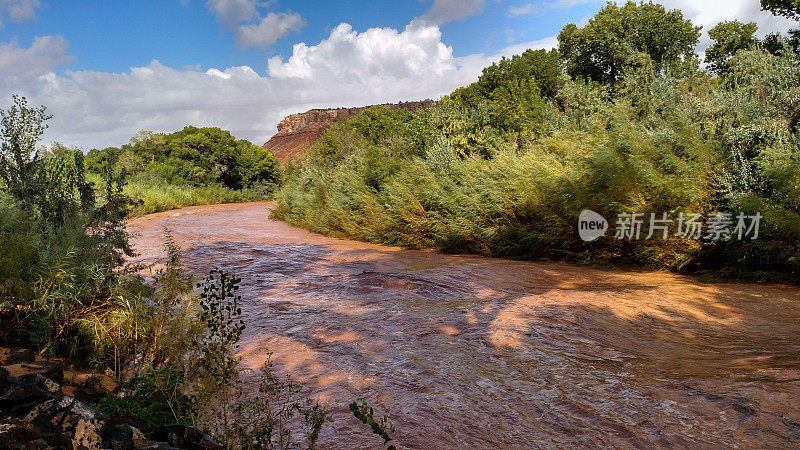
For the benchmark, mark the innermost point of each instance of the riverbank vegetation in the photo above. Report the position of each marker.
(194, 166)
(171, 344)
(622, 118)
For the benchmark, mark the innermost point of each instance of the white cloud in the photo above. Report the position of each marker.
(269, 30)
(349, 68)
(522, 10)
(231, 12)
(708, 13)
(447, 10)
(547, 43)
(19, 10)
(19, 64)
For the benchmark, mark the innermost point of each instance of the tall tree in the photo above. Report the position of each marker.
(786, 8)
(21, 127)
(608, 44)
(729, 38)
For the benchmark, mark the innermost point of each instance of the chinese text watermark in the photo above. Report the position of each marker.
(719, 226)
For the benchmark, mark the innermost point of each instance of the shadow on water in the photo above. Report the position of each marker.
(469, 352)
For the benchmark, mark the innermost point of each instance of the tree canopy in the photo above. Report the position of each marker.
(194, 156)
(611, 40)
(729, 38)
(786, 8)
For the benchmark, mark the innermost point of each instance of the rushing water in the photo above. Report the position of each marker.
(472, 352)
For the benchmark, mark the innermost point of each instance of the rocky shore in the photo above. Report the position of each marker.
(41, 408)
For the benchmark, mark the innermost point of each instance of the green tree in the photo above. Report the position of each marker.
(786, 8)
(540, 67)
(729, 38)
(609, 43)
(22, 127)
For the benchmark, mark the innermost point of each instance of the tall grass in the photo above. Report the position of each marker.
(154, 195)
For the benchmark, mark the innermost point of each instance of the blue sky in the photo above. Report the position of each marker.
(108, 69)
(113, 36)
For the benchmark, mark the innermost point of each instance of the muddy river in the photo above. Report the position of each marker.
(472, 352)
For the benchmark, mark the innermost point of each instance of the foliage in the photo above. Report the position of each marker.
(507, 175)
(786, 8)
(189, 167)
(239, 420)
(64, 268)
(729, 38)
(381, 427)
(611, 40)
(156, 397)
(22, 127)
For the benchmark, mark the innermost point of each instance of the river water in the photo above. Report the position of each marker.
(473, 352)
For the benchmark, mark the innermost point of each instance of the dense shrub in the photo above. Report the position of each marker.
(190, 167)
(500, 168)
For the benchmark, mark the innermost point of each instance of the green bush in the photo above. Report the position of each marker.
(499, 169)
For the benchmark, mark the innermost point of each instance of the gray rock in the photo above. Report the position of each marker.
(53, 388)
(46, 369)
(17, 396)
(70, 417)
(22, 436)
(124, 437)
(186, 437)
(156, 446)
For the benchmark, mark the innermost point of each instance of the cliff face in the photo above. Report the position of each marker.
(299, 131)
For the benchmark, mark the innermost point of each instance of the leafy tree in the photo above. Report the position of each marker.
(22, 127)
(193, 156)
(729, 38)
(776, 44)
(542, 68)
(786, 8)
(608, 44)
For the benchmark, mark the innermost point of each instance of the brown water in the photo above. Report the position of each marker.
(471, 352)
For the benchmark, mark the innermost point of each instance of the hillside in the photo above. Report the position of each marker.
(299, 131)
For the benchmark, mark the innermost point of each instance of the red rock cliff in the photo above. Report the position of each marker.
(299, 131)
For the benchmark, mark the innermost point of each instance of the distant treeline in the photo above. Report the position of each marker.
(621, 119)
(189, 167)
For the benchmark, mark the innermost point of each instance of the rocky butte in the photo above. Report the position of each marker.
(298, 132)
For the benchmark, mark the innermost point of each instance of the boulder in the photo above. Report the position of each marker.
(51, 387)
(124, 437)
(22, 396)
(70, 417)
(186, 437)
(16, 395)
(19, 436)
(156, 446)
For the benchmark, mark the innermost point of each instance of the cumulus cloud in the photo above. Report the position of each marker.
(348, 68)
(18, 64)
(231, 12)
(708, 13)
(249, 27)
(18, 10)
(269, 30)
(447, 10)
(98, 109)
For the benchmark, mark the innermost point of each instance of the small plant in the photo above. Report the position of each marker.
(382, 427)
(220, 313)
(156, 397)
(277, 404)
